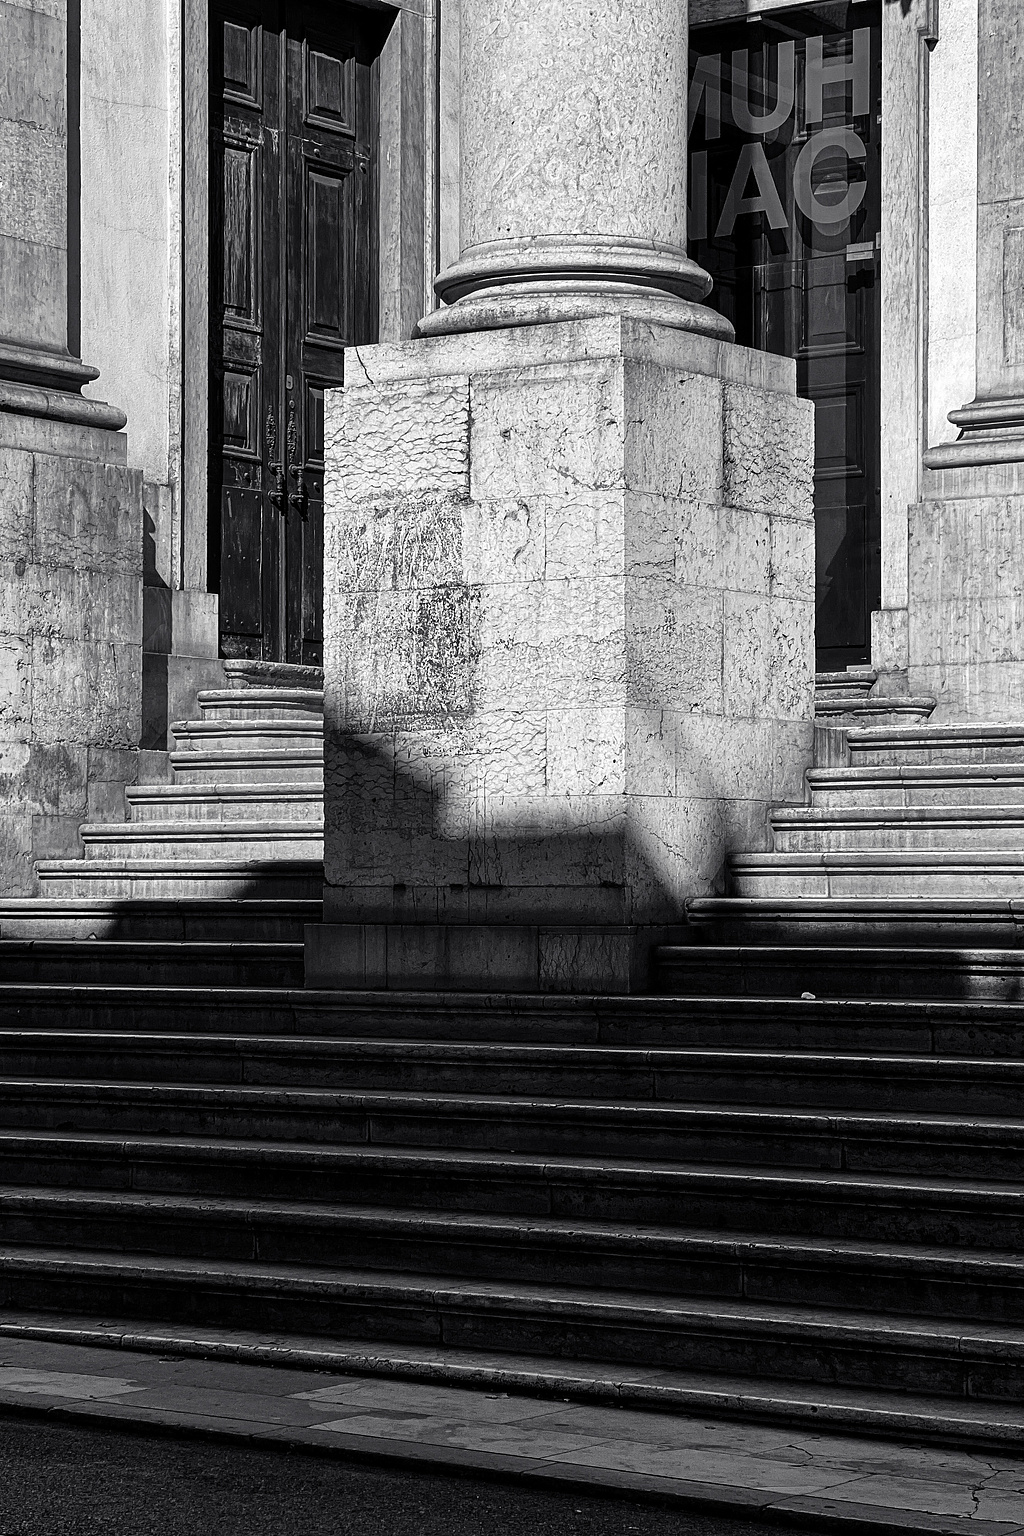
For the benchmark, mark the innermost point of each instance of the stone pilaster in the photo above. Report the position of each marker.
(568, 575)
(992, 425)
(70, 509)
(966, 626)
(38, 374)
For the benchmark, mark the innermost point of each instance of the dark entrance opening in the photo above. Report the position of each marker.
(293, 264)
(785, 175)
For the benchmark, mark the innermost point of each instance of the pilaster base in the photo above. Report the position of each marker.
(71, 528)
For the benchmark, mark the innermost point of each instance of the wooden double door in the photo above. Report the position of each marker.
(293, 117)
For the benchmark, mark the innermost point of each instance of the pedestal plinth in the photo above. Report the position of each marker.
(569, 647)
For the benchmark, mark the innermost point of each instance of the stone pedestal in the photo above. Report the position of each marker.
(569, 647)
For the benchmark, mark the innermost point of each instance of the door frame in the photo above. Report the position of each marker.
(407, 221)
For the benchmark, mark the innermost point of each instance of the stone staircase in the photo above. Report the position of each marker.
(732, 1198)
(214, 873)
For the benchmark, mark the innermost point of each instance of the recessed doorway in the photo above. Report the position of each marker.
(293, 281)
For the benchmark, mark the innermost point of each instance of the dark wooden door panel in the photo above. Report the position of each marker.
(293, 262)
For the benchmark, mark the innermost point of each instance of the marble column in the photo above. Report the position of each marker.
(573, 168)
(992, 425)
(569, 550)
(38, 374)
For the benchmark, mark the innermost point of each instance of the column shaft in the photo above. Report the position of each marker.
(573, 167)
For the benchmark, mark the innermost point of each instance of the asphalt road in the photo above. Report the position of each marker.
(60, 1479)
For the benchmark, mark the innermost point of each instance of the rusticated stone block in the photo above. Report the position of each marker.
(88, 515)
(16, 504)
(398, 441)
(768, 452)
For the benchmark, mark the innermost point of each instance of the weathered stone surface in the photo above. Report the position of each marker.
(400, 440)
(70, 648)
(966, 614)
(769, 452)
(563, 685)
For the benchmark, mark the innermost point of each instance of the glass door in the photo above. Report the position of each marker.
(785, 156)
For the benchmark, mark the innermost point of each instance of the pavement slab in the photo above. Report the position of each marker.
(821, 1480)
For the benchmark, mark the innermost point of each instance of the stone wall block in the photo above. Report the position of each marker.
(88, 516)
(769, 452)
(410, 655)
(586, 751)
(791, 567)
(549, 432)
(722, 758)
(15, 687)
(744, 551)
(584, 535)
(651, 749)
(673, 539)
(86, 691)
(398, 440)
(791, 658)
(408, 543)
(509, 540)
(566, 840)
(673, 442)
(747, 661)
(16, 504)
(674, 645)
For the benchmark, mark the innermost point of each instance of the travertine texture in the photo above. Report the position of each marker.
(578, 165)
(70, 645)
(967, 606)
(569, 647)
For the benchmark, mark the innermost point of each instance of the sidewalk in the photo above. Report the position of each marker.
(790, 1476)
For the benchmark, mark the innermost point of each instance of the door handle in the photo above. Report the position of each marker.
(277, 494)
(299, 498)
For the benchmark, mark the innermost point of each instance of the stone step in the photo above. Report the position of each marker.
(970, 743)
(172, 877)
(261, 703)
(167, 921)
(839, 971)
(833, 708)
(822, 1345)
(971, 1029)
(960, 785)
(884, 1082)
(855, 683)
(243, 672)
(281, 801)
(153, 962)
(236, 736)
(186, 841)
(879, 873)
(814, 829)
(974, 922)
(864, 1207)
(874, 1278)
(292, 765)
(847, 1410)
(978, 1146)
